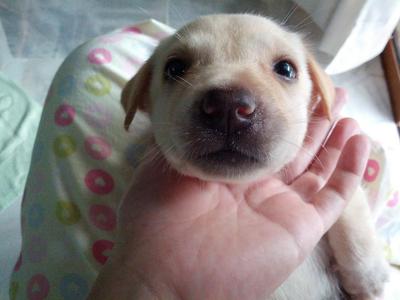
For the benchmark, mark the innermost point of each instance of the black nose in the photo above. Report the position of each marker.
(228, 110)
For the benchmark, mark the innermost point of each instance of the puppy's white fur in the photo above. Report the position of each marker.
(227, 50)
(243, 55)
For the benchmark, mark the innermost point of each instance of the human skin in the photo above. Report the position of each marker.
(182, 238)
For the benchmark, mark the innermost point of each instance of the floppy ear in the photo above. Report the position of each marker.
(135, 94)
(323, 90)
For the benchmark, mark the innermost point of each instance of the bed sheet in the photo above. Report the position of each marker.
(19, 118)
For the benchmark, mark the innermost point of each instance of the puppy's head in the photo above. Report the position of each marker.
(228, 96)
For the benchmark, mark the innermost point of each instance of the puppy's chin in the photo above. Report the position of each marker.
(226, 177)
(219, 172)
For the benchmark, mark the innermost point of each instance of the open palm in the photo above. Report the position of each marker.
(191, 239)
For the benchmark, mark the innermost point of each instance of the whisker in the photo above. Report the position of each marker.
(178, 81)
(175, 11)
(289, 14)
(302, 22)
(304, 25)
(149, 153)
(314, 157)
(184, 80)
(322, 146)
(307, 35)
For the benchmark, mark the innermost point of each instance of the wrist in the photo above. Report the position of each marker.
(121, 279)
(148, 286)
(145, 290)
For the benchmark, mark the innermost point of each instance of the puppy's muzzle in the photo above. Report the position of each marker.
(227, 132)
(228, 110)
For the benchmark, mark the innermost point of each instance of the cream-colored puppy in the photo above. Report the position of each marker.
(229, 98)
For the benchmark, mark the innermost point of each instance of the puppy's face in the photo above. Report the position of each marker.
(228, 97)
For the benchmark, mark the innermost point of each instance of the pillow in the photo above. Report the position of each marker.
(79, 167)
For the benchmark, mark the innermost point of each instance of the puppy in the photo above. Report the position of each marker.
(229, 99)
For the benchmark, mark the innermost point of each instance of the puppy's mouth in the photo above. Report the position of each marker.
(224, 159)
(229, 156)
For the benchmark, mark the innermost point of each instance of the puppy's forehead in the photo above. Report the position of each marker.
(232, 37)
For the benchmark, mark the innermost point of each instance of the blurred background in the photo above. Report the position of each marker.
(348, 37)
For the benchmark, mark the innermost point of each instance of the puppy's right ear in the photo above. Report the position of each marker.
(323, 90)
(135, 94)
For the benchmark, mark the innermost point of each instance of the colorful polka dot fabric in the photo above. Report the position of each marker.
(383, 196)
(81, 167)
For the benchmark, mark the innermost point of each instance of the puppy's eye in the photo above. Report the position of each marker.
(175, 68)
(285, 69)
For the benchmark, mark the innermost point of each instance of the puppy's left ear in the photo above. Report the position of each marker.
(136, 93)
(323, 91)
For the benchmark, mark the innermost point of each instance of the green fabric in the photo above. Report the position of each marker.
(19, 118)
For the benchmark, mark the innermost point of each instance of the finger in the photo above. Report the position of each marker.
(332, 199)
(324, 163)
(318, 129)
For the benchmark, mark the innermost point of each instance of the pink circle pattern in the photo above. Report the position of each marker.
(97, 147)
(103, 217)
(64, 115)
(100, 250)
(38, 287)
(372, 170)
(394, 200)
(99, 182)
(99, 56)
(132, 29)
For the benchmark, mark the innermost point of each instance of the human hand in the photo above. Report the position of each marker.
(182, 238)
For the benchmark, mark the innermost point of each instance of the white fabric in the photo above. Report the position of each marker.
(354, 31)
